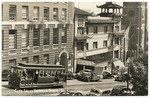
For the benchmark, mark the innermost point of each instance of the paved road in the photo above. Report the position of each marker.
(76, 85)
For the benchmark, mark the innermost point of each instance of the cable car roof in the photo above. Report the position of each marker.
(38, 66)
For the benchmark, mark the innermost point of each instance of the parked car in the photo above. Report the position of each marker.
(107, 75)
(70, 75)
(99, 92)
(121, 91)
(70, 93)
(87, 75)
(5, 75)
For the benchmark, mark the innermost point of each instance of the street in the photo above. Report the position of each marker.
(83, 87)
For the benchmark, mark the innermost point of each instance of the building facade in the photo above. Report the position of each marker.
(98, 39)
(136, 14)
(37, 32)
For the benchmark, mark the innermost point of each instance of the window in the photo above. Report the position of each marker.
(24, 12)
(36, 13)
(87, 30)
(46, 59)
(80, 30)
(117, 41)
(80, 46)
(112, 29)
(24, 38)
(46, 37)
(94, 45)
(95, 30)
(64, 35)
(46, 13)
(64, 14)
(105, 43)
(117, 28)
(12, 39)
(2, 39)
(36, 59)
(25, 60)
(12, 62)
(55, 14)
(105, 29)
(80, 22)
(55, 36)
(87, 46)
(12, 12)
(116, 54)
(36, 37)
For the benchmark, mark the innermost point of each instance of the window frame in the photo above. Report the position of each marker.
(55, 36)
(95, 45)
(55, 14)
(26, 14)
(36, 15)
(36, 39)
(12, 12)
(46, 15)
(46, 36)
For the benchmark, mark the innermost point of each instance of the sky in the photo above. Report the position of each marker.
(91, 6)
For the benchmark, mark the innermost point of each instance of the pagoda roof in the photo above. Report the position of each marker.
(109, 5)
(81, 12)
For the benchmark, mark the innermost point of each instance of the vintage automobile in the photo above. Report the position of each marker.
(121, 91)
(70, 93)
(99, 92)
(88, 75)
(107, 75)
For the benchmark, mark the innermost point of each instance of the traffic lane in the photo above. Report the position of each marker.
(55, 91)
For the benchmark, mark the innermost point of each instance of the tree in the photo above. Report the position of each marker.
(139, 74)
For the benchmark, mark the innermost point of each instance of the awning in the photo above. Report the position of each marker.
(85, 62)
(118, 63)
(102, 64)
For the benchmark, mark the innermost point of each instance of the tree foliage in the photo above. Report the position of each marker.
(139, 74)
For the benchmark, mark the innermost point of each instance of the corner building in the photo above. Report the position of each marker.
(37, 32)
(98, 39)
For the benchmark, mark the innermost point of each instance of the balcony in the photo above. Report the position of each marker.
(63, 45)
(12, 51)
(46, 47)
(55, 46)
(35, 48)
(83, 37)
(24, 50)
(80, 54)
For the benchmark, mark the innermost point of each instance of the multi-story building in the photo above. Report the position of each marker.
(37, 32)
(98, 39)
(136, 14)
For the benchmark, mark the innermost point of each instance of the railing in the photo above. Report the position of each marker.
(63, 45)
(35, 48)
(12, 51)
(55, 46)
(46, 47)
(24, 50)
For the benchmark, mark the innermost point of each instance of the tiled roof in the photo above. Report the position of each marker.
(109, 5)
(81, 12)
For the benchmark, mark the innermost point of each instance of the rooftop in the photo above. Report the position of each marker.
(109, 5)
(81, 12)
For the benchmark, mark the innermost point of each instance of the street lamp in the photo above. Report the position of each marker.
(127, 78)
